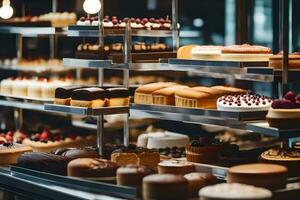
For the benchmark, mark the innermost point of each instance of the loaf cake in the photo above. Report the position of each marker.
(89, 97)
(166, 96)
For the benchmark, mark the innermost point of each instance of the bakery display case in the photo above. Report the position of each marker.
(126, 112)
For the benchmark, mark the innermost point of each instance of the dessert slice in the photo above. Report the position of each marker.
(166, 96)
(275, 61)
(117, 97)
(89, 97)
(207, 52)
(63, 94)
(10, 152)
(191, 98)
(143, 94)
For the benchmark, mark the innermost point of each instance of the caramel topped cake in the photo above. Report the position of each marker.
(289, 158)
(275, 61)
(230, 90)
(89, 97)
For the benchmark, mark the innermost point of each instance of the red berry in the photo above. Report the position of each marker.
(9, 138)
(73, 137)
(10, 133)
(290, 96)
(44, 136)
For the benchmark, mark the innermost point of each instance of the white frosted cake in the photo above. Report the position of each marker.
(245, 102)
(6, 86)
(162, 140)
(206, 52)
(234, 191)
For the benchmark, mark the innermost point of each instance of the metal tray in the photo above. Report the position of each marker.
(86, 111)
(264, 128)
(76, 183)
(93, 31)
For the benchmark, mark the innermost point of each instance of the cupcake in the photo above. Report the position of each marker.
(204, 150)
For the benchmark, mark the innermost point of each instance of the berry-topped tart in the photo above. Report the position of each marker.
(247, 102)
(10, 152)
(285, 113)
(48, 141)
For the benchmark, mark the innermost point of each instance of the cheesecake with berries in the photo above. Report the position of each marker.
(246, 102)
(285, 113)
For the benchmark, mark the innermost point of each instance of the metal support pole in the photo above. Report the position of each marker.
(18, 118)
(78, 73)
(100, 131)
(243, 11)
(54, 5)
(127, 62)
(101, 28)
(19, 46)
(175, 29)
(284, 7)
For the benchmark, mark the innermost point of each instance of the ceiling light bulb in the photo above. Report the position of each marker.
(91, 6)
(6, 12)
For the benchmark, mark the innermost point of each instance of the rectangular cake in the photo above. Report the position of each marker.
(166, 96)
(89, 97)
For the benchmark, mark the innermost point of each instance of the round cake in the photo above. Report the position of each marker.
(285, 113)
(132, 175)
(162, 140)
(175, 167)
(261, 175)
(234, 191)
(74, 153)
(207, 52)
(286, 157)
(92, 168)
(165, 187)
(10, 152)
(247, 102)
(246, 53)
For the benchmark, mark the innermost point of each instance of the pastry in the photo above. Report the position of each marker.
(19, 87)
(92, 168)
(162, 140)
(204, 150)
(63, 94)
(166, 96)
(143, 94)
(230, 90)
(48, 89)
(135, 155)
(165, 187)
(132, 175)
(74, 153)
(35, 89)
(260, 175)
(174, 152)
(246, 53)
(46, 142)
(198, 180)
(117, 97)
(175, 167)
(244, 102)
(206, 52)
(6, 86)
(45, 162)
(191, 98)
(285, 113)
(234, 191)
(10, 152)
(89, 97)
(184, 52)
(289, 158)
(275, 61)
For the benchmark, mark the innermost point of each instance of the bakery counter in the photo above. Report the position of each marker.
(48, 186)
(31, 31)
(93, 31)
